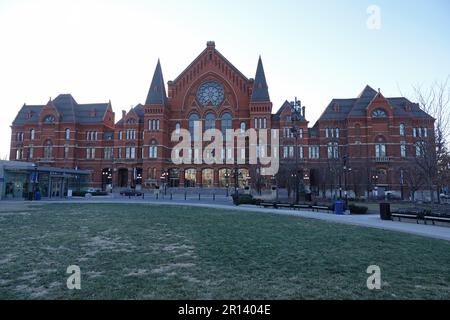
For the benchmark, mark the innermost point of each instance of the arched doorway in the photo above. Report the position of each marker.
(243, 178)
(174, 178)
(207, 178)
(123, 177)
(190, 178)
(224, 178)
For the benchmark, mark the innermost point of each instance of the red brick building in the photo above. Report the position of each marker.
(368, 134)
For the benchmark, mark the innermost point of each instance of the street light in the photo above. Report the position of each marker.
(296, 116)
(227, 177)
(346, 169)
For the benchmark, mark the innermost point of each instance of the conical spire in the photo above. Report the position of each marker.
(260, 89)
(157, 91)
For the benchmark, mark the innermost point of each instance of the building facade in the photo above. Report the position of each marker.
(368, 134)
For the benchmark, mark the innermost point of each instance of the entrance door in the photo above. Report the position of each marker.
(56, 188)
(123, 178)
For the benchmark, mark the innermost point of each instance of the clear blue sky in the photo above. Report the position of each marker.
(315, 50)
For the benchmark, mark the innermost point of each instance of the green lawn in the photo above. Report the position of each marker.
(161, 252)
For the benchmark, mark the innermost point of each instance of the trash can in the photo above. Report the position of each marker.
(339, 207)
(38, 196)
(308, 197)
(385, 211)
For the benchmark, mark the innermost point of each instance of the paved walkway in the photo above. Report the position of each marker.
(369, 220)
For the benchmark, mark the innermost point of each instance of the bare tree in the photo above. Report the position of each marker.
(432, 150)
(413, 178)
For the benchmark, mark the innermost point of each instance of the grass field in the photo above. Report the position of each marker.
(163, 252)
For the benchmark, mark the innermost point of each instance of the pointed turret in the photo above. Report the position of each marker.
(260, 88)
(157, 91)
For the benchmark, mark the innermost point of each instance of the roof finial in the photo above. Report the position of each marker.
(379, 90)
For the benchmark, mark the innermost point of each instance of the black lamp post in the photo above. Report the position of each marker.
(401, 185)
(227, 177)
(33, 196)
(346, 170)
(296, 116)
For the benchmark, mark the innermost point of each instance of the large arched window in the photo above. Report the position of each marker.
(193, 119)
(48, 149)
(210, 121)
(379, 113)
(226, 123)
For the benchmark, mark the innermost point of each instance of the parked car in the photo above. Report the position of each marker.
(92, 190)
(130, 193)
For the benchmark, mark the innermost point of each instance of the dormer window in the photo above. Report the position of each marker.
(49, 119)
(379, 113)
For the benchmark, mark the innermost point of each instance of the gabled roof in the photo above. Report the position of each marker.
(65, 105)
(69, 110)
(138, 111)
(91, 113)
(27, 115)
(157, 92)
(366, 97)
(204, 52)
(340, 109)
(260, 89)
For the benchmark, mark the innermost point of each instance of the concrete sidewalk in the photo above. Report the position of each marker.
(369, 220)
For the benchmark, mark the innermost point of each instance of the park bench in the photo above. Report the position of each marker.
(301, 206)
(319, 208)
(267, 204)
(399, 216)
(284, 205)
(433, 219)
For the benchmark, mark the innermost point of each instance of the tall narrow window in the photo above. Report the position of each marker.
(380, 150)
(177, 128)
(226, 123)
(402, 129)
(153, 150)
(67, 134)
(210, 121)
(32, 134)
(403, 149)
(242, 127)
(48, 149)
(193, 120)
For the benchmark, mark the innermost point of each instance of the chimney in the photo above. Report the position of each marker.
(124, 113)
(303, 111)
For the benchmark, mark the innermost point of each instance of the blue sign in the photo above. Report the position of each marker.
(34, 177)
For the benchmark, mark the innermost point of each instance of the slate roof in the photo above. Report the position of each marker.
(70, 111)
(140, 112)
(157, 92)
(357, 107)
(260, 91)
